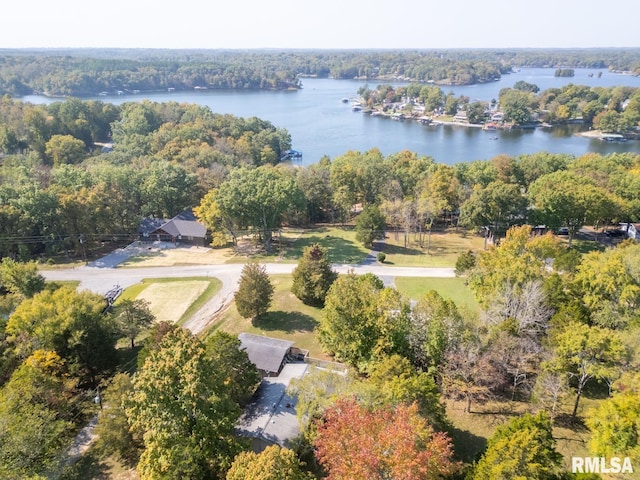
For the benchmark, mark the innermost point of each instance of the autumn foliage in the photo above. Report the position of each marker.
(355, 442)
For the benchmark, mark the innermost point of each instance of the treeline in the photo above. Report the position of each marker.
(89, 72)
(59, 191)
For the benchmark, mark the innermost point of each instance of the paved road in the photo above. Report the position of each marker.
(101, 280)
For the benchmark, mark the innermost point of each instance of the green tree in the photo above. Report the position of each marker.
(255, 291)
(584, 353)
(362, 320)
(393, 381)
(522, 448)
(516, 105)
(520, 259)
(360, 177)
(168, 188)
(182, 412)
(608, 286)
(236, 372)
(499, 205)
(61, 149)
(218, 224)
(259, 198)
(465, 262)
(273, 463)
(615, 422)
(69, 323)
(313, 276)
(475, 112)
(21, 278)
(564, 199)
(36, 408)
(133, 317)
(314, 182)
(370, 226)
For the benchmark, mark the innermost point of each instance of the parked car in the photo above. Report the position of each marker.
(615, 233)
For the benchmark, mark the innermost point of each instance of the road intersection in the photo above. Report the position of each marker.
(101, 280)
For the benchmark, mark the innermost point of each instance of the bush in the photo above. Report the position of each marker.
(465, 262)
(382, 257)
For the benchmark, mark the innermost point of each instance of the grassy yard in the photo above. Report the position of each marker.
(174, 299)
(288, 318)
(471, 431)
(443, 251)
(340, 242)
(449, 288)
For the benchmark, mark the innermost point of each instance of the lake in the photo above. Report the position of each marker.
(320, 124)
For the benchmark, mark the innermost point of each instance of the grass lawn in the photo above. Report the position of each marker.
(174, 299)
(449, 288)
(443, 252)
(340, 242)
(288, 319)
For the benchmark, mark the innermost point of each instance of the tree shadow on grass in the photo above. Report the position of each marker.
(90, 465)
(468, 446)
(391, 249)
(285, 321)
(565, 420)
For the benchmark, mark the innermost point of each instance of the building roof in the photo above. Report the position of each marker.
(148, 225)
(266, 353)
(185, 228)
(184, 224)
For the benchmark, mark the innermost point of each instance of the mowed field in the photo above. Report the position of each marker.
(174, 299)
(169, 301)
(340, 243)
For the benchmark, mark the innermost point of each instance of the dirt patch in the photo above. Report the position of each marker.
(179, 256)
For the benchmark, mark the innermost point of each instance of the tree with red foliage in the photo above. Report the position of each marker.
(355, 442)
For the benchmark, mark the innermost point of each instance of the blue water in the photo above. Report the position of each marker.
(320, 124)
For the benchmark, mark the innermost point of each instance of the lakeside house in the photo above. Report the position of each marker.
(461, 117)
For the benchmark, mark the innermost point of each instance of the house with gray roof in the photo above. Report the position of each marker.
(266, 353)
(184, 228)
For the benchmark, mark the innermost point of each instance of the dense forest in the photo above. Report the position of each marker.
(90, 72)
(557, 323)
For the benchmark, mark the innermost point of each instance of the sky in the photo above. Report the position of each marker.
(325, 24)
